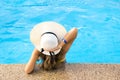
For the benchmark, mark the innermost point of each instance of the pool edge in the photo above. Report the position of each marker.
(69, 72)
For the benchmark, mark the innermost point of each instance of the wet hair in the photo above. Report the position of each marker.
(51, 62)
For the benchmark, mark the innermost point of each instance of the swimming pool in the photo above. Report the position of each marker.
(98, 21)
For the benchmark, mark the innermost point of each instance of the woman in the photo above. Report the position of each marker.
(51, 43)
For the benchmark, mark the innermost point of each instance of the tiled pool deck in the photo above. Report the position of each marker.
(69, 72)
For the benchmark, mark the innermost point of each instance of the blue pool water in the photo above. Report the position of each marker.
(98, 39)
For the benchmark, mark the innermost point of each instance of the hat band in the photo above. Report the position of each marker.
(50, 33)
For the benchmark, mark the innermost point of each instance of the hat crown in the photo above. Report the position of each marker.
(48, 41)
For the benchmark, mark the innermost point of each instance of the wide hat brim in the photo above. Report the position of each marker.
(43, 27)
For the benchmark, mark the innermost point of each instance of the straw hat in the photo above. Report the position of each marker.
(47, 35)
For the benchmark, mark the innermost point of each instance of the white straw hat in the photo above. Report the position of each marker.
(47, 35)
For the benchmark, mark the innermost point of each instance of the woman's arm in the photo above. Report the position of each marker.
(67, 40)
(30, 65)
(69, 37)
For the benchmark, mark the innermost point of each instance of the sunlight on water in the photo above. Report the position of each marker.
(98, 24)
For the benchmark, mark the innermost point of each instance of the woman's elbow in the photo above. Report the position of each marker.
(75, 32)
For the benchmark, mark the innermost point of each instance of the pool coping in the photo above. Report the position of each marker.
(69, 72)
